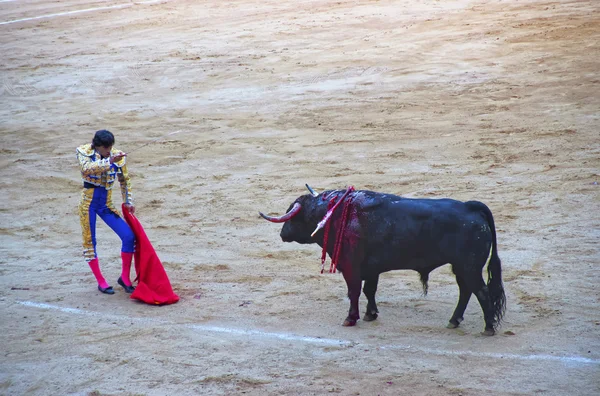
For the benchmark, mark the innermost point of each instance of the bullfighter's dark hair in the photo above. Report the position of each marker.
(103, 138)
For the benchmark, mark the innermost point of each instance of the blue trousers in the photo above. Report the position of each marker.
(97, 202)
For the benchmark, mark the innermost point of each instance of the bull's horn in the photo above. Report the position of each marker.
(314, 194)
(282, 219)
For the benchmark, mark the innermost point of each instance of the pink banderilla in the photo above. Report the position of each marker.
(341, 230)
(330, 211)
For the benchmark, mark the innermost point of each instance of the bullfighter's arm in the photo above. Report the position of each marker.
(89, 167)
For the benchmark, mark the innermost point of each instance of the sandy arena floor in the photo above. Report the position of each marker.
(485, 99)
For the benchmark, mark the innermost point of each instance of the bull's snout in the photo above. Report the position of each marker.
(286, 233)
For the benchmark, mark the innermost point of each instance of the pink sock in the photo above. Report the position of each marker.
(95, 266)
(126, 257)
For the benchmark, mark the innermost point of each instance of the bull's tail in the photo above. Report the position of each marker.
(495, 287)
(494, 284)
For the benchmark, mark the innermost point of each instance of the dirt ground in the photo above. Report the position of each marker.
(490, 100)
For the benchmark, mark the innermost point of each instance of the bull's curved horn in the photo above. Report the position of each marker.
(314, 194)
(282, 219)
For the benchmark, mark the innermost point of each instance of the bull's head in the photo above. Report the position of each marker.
(301, 218)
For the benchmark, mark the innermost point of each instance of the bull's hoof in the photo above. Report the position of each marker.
(369, 317)
(349, 322)
(488, 332)
(454, 323)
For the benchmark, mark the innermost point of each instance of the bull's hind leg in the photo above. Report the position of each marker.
(463, 300)
(483, 295)
(476, 284)
(370, 288)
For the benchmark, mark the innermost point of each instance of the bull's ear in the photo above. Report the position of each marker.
(313, 193)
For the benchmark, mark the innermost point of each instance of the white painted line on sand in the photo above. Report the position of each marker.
(508, 356)
(323, 341)
(76, 311)
(81, 11)
(200, 327)
(281, 336)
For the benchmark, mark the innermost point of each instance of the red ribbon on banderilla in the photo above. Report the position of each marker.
(333, 205)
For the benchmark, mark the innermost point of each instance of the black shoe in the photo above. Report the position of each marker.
(128, 289)
(106, 290)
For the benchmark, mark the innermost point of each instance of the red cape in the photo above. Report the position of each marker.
(153, 283)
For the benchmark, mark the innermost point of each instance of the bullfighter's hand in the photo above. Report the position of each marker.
(117, 157)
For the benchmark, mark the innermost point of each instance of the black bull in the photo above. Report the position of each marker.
(392, 232)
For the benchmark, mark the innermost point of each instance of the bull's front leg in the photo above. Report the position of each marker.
(354, 283)
(370, 288)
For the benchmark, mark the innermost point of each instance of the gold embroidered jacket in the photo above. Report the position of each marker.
(100, 172)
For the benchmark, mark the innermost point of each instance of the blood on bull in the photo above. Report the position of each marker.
(367, 233)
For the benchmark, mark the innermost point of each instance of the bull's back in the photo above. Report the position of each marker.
(406, 233)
